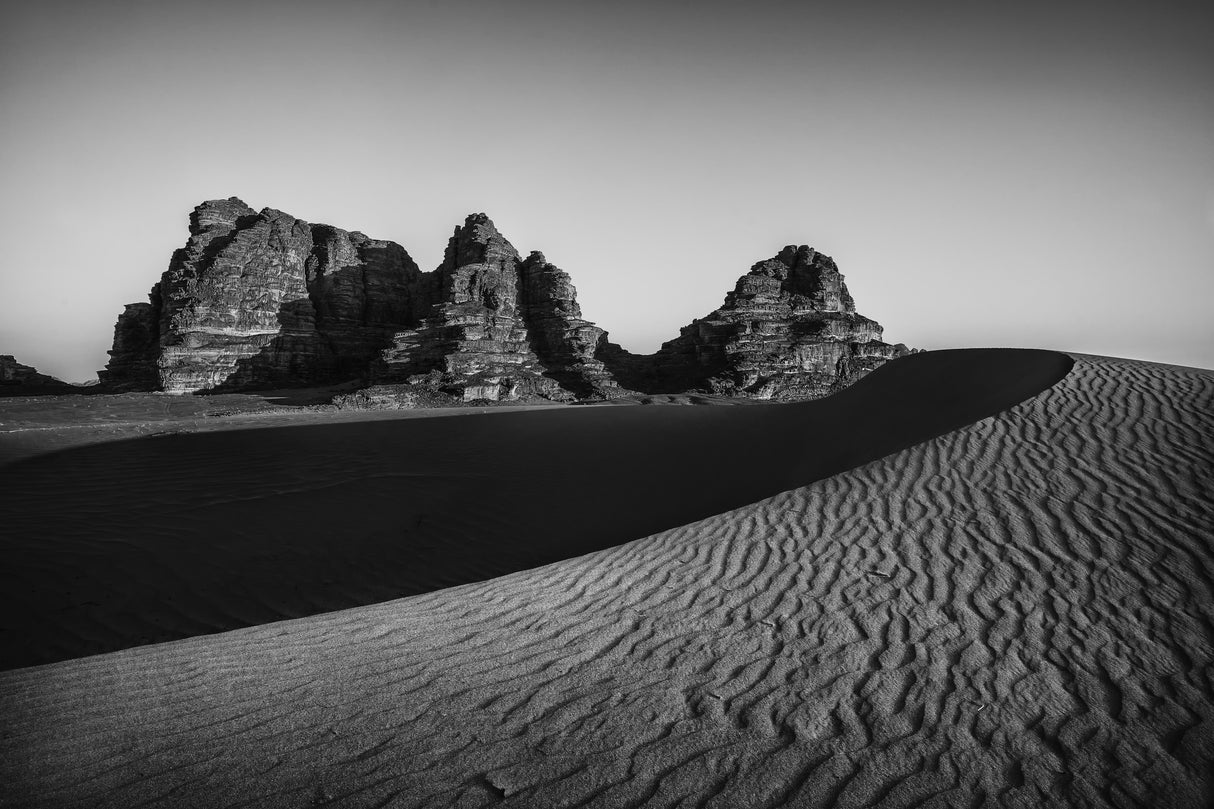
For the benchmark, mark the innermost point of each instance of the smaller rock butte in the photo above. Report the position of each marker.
(259, 299)
(18, 379)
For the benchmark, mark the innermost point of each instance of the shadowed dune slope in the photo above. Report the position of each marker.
(133, 542)
(1014, 614)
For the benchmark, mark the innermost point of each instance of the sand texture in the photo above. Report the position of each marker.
(1016, 613)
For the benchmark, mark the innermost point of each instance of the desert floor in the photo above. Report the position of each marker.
(972, 579)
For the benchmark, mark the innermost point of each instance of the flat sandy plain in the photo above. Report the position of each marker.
(972, 579)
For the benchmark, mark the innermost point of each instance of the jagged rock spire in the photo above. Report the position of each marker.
(504, 328)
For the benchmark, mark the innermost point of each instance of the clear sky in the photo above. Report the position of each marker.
(985, 174)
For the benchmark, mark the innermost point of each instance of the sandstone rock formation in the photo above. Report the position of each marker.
(262, 299)
(503, 328)
(134, 357)
(789, 330)
(567, 344)
(24, 380)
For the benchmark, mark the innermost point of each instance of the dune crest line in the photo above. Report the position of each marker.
(134, 542)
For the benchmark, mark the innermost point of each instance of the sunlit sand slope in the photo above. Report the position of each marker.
(1015, 614)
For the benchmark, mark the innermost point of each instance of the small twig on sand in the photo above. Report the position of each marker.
(980, 710)
(878, 573)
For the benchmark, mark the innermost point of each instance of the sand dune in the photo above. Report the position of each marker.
(1017, 613)
(131, 542)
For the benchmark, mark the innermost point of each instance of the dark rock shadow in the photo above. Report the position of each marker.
(635, 372)
(334, 334)
(571, 381)
(61, 389)
(663, 372)
(808, 328)
(156, 539)
(297, 356)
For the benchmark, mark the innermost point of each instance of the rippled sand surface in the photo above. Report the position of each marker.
(1015, 613)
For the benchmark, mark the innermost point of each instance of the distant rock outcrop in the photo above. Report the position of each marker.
(262, 299)
(24, 380)
(788, 330)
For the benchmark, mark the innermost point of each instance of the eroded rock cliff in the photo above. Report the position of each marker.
(258, 299)
(262, 299)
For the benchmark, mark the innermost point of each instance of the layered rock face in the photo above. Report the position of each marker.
(566, 342)
(262, 299)
(24, 380)
(134, 358)
(364, 290)
(503, 328)
(257, 299)
(788, 330)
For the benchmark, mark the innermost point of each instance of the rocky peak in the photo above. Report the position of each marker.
(474, 343)
(478, 241)
(218, 215)
(503, 328)
(806, 278)
(480, 267)
(565, 342)
(546, 282)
